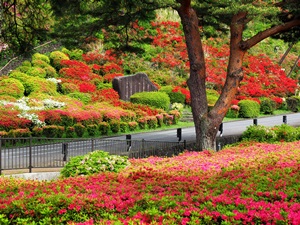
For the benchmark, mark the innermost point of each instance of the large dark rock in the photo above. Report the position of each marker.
(128, 85)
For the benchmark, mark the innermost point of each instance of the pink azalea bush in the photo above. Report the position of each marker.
(252, 183)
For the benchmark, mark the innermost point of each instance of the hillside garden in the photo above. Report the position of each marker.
(68, 93)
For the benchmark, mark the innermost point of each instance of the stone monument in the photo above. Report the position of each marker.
(128, 85)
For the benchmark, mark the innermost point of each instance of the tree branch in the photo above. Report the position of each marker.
(245, 45)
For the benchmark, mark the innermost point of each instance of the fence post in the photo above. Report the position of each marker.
(219, 147)
(93, 144)
(128, 142)
(143, 147)
(179, 134)
(221, 129)
(0, 155)
(284, 119)
(65, 151)
(255, 121)
(30, 155)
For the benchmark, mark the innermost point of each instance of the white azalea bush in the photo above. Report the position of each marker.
(94, 162)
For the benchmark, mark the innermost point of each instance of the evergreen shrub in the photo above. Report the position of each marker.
(70, 132)
(155, 99)
(37, 72)
(92, 129)
(79, 129)
(151, 122)
(104, 128)
(176, 97)
(123, 127)
(114, 125)
(53, 131)
(39, 56)
(83, 97)
(17, 133)
(249, 109)
(56, 57)
(267, 106)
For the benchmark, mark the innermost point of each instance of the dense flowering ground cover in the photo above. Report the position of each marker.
(252, 183)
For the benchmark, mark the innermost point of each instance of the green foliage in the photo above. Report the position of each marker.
(56, 57)
(16, 133)
(102, 85)
(34, 84)
(39, 56)
(67, 88)
(212, 97)
(25, 23)
(259, 133)
(123, 127)
(36, 72)
(104, 128)
(151, 122)
(287, 133)
(75, 54)
(280, 133)
(176, 97)
(293, 103)
(84, 97)
(53, 131)
(94, 162)
(155, 99)
(12, 87)
(92, 129)
(114, 125)
(267, 106)
(249, 109)
(79, 129)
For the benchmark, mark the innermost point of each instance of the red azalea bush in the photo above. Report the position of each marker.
(9, 120)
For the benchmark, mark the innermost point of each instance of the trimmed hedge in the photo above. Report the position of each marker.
(249, 109)
(155, 99)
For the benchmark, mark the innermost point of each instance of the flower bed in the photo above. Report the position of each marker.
(252, 183)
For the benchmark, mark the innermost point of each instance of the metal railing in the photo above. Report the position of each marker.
(29, 153)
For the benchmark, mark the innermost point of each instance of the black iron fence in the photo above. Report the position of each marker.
(29, 153)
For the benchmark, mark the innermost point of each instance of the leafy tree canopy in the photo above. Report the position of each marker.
(24, 23)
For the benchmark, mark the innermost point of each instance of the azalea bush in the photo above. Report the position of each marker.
(280, 133)
(94, 162)
(251, 183)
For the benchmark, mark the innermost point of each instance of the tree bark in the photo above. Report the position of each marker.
(196, 81)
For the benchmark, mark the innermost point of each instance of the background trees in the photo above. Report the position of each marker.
(24, 23)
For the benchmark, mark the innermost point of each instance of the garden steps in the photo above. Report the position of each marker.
(187, 116)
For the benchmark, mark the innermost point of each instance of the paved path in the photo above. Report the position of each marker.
(229, 128)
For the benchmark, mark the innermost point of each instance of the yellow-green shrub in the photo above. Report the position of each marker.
(155, 99)
(11, 87)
